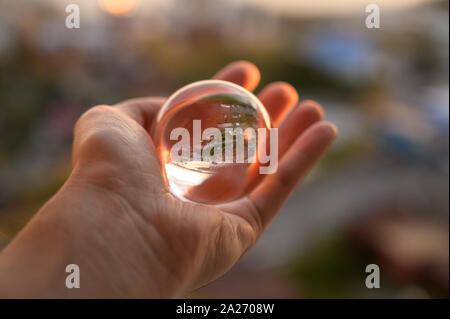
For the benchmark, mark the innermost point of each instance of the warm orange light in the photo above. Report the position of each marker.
(248, 134)
(119, 7)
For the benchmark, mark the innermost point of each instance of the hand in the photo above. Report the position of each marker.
(116, 219)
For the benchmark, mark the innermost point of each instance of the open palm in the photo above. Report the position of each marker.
(193, 243)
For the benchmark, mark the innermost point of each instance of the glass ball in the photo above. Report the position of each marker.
(207, 141)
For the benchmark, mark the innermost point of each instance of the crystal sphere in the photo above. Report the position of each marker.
(207, 141)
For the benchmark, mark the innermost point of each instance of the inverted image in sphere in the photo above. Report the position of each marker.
(207, 141)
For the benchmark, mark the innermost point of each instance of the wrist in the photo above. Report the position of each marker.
(95, 229)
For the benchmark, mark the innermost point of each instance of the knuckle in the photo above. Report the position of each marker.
(98, 137)
(92, 114)
(291, 173)
(248, 237)
(285, 177)
(94, 132)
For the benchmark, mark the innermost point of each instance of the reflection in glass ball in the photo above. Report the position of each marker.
(207, 140)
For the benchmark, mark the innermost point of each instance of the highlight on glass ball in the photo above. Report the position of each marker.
(213, 139)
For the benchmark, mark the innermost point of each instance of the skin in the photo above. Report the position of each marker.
(116, 219)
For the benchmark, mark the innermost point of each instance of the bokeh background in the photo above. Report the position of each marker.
(379, 196)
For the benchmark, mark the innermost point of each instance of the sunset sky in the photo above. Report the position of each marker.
(285, 7)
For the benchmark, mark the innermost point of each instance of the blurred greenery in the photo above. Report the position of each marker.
(331, 269)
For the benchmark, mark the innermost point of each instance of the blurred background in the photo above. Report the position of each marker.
(379, 196)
